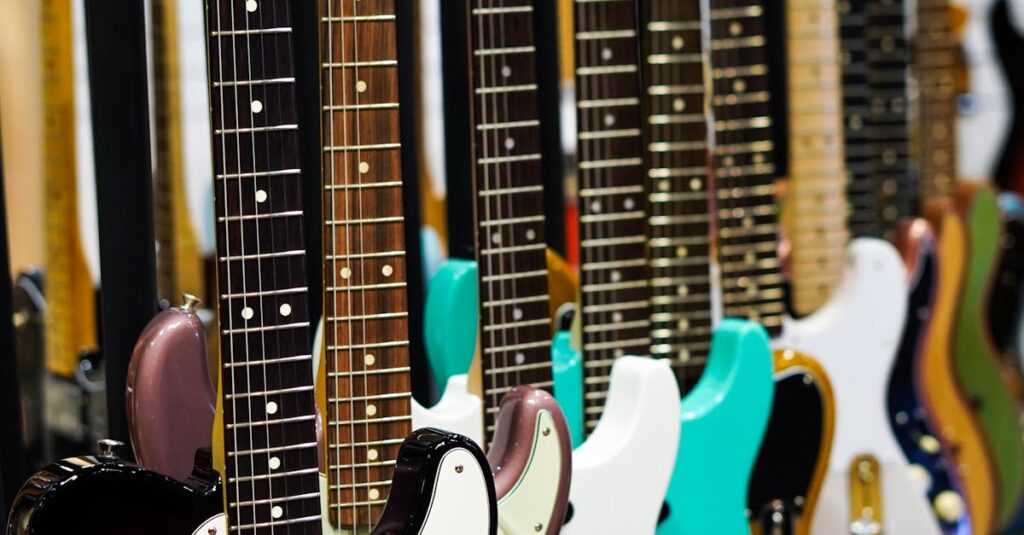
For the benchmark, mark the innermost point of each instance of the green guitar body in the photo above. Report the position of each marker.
(723, 420)
(976, 364)
(450, 331)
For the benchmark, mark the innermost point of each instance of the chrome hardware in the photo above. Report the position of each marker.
(865, 496)
(108, 449)
(191, 302)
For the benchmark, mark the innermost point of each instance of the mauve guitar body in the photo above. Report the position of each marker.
(170, 398)
(91, 496)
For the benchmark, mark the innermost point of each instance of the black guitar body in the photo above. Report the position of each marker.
(792, 445)
(416, 474)
(1009, 173)
(91, 496)
(907, 413)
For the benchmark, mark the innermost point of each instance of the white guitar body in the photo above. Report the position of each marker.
(855, 336)
(621, 473)
(626, 464)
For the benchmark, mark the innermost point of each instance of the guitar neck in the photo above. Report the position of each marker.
(615, 300)
(70, 298)
(515, 323)
(747, 218)
(677, 185)
(366, 315)
(934, 65)
(862, 188)
(179, 263)
(271, 460)
(816, 207)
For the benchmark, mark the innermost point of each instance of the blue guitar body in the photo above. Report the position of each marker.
(907, 414)
(723, 420)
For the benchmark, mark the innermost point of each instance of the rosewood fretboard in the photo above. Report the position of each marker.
(748, 230)
(366, 315)
(271, 460)
(615, 298)
(677, 184)
(862, 188)
(515, 323)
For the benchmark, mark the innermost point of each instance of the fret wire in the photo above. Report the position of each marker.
(505, 138)
(251, 446)
(677, 177)
(367, 363)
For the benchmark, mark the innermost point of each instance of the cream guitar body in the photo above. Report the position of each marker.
(855, 337)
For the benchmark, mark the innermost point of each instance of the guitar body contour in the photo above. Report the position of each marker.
(793, 459)
(623, 466)
(855, 337)
(64, 497)
(994, 388)
(724, 418)
(945, 402)
(532, 462)
(908, 416)
(170, 398)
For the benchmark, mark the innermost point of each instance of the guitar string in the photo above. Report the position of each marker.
(481, 232)
(499, 112)
(227, 246)
(503, 111)
(363, 299)
(330, 239)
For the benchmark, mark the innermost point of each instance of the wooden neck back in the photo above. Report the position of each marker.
(615, 300)
(271, 466)
(515, 322)
(816, 205)
(677, 185)
(70, 297)
(748, 229)
(366, 311)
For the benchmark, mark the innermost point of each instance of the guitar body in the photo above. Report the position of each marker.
(623, 466)
(855, 337)
(907, 413)
(532, 461)
(567, 368)
(1005, 313)
(945, 402)
(982, 375)
(170, 398)
(442, 484)
(63, 498)
(724, 418)
(793, 459)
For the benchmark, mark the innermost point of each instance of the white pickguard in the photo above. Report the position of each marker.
(626, 464)
(526, 509)
(855, 336)
(459, 503)
(217, 525)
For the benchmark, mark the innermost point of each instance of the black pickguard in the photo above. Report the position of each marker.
(792, 444)
(416, 469)
(87, 496)
(907, 414)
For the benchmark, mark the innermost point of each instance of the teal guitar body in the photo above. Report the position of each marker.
(450, 331)
(723, 420)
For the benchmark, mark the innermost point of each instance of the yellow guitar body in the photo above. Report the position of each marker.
(947, 404)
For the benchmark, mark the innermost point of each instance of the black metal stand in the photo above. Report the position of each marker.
(549, 95)
(12, 450)
(116, 37)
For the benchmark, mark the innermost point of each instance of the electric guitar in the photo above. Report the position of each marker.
(989, 385)
(854, 333)
(368, 402)
(725, 373)
(885, 201)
